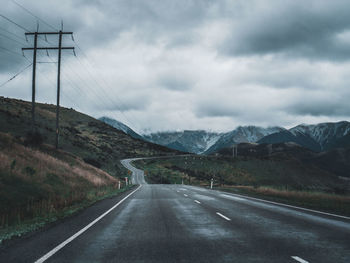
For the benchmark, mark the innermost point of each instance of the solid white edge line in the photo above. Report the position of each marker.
(291, 206)
(197, 201)
(225, 217)
(281, 204)
(299, 259)
(60, 246)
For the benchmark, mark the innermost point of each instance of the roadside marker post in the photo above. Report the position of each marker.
(211, 183)
(126, 181)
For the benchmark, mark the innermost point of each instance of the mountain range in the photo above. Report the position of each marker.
(317, 137)
(121, 126)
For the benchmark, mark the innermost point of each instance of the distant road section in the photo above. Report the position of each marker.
(137, 176)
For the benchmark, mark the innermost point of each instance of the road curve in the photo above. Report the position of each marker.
(137, 176)
(179, 223)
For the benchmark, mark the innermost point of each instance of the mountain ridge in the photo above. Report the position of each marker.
(316, 137)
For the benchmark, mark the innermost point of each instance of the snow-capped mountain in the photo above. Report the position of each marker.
(242, 134)
(318, 137)
(121, 126)
(197, 141)
(325, 134)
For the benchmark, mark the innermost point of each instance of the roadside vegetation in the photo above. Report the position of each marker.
(39, 184)
(281, 180)
(94, 141)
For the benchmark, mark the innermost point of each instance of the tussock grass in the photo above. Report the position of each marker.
(38, 187)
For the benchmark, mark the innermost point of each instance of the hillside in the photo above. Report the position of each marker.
(319, 137)
(199, 141)
(242, 134)
(287, 136)
(334, 162)
(92, 140)
(40, 184)
(196, 141)
(121, 126)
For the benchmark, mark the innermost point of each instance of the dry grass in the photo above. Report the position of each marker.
(270, 191)
(34, 183)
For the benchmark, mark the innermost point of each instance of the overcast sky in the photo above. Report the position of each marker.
(173, 65)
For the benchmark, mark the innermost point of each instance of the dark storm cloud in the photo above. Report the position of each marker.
(326, 107)
(192, 63)
(216, 110)
(174, 82)
(293, 28)
(97, 23)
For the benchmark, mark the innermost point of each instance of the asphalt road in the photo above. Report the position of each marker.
(178, 223)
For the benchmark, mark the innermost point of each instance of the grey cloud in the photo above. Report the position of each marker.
(320, 108)
(241, 62)
(216, 110)
(293, 28)
(176, 83)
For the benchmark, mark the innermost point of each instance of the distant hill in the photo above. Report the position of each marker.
(90, 139)
(242, 134)
(177, 146)
(287, 136)
(325, 134)
(196, 141)
(121, 126)
(319, 137)
(336, 162)
(199, 141)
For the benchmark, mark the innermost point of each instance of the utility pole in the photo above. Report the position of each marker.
(59, 48)
(33, 80)
(58, 86)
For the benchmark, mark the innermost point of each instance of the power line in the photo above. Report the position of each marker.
(18, 25)
(86, 69)
(12, 33)
(3, 84)
(10, 51)
(8, 19)
(29, 12)
(38, 18)
(14, 40)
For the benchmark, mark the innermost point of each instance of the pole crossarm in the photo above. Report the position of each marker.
(48, 33)
(47, 48)
(59, 48)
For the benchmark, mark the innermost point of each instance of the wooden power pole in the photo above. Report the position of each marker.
(59, 48)
(33, 80)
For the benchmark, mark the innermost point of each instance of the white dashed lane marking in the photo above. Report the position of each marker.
(299, 259)
(224, 217)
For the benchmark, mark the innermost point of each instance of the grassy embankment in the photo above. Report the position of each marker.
(286, 181)
(39, 185)
(92, 140)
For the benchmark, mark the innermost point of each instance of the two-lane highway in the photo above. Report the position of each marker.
(179, 223)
